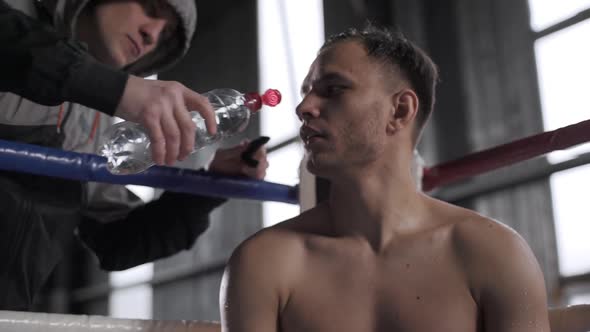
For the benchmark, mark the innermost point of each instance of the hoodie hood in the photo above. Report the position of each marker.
(66, 12)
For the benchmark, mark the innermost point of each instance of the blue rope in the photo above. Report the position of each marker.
(53, 162)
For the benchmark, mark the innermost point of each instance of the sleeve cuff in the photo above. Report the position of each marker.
(96, 85)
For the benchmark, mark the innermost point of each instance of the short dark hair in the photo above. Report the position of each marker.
(395, 50)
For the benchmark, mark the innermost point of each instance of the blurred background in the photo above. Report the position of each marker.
(509, 69)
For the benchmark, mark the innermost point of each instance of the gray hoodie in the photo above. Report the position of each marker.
(66, 13)
(75, 127)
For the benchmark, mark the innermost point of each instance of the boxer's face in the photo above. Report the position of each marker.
(345, 108)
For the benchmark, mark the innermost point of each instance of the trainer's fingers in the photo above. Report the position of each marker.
(235, 152)
(262, 163)
(260, 154)
(248, 171)
(258, 172)
(157, 141)
(172, 136)
(187, 129)
(198, 103)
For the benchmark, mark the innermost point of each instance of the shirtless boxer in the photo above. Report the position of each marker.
(378, 255)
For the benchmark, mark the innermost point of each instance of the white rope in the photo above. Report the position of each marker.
(16, 321)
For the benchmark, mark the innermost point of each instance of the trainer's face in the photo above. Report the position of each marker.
(344, 109)
(120, 32)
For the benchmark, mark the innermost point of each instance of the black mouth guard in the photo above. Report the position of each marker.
(247, 155)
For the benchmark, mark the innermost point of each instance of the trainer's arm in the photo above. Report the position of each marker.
(156, 230)
(250, 289)
(574, 318)
(44, 66)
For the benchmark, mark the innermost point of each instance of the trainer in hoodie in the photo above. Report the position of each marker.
(38, 214)
(49, 67)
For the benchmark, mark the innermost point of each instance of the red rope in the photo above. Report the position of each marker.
(506, 154)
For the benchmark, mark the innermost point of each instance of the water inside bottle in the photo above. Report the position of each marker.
(128, 149)
(230, 119)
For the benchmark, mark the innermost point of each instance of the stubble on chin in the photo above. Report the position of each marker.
(312, 164)
(318, 166)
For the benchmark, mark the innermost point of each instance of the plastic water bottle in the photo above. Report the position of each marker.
(127, 146)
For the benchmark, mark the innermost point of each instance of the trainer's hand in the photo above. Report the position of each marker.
(229, 162)
(162, 108)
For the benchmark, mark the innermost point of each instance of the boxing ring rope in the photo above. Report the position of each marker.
(16, 321)
(504, 155)
(85, 167)
(39, 160)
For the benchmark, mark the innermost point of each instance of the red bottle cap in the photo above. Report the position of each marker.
(271, 97)
(254, 101)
